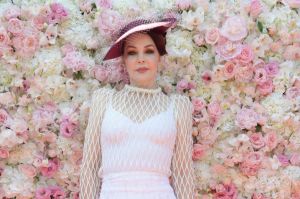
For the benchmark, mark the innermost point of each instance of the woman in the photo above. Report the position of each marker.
(138, 138)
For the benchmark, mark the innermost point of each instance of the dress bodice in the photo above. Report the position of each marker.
(129, 145)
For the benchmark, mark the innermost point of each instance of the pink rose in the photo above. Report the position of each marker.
(214, 110)
(12, 12)
(229, 70)
(246, 55)
(283, 159)
(295, 159)
(49, 137)
(229, 50)
(38, 21)
(212, 36)
(199, 151)
(43, 193)
(272, 69)
(58, 14)
(104, 3)
(259, 196)
(44, 116)
(292, 92)
(108, 22)
(51, 168)
(246, 118)
(4, 37)
(266, 87)
(183, 4)
(15, 26)
(198, 103)
(225, 191)
(73, 60)
(68, 129)
(3, 116)
(271, 140)
(260, 76)
(100, 73)
(57, 192)
(292, 3)
(67, 48)
(29, 170)
(257, 140)
(255, 8)
(251, 163)
(198, 39)
(4, 153)
(292, 52)
(234, 28)
(244, 74)
(6, 98)
(207, 76)
(182, 85)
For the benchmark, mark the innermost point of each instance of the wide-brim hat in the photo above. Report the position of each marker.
(159, 27)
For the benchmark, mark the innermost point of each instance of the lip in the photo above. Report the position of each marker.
(142, 69)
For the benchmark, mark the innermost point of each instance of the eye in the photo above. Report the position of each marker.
(149, 51)
(131, 52)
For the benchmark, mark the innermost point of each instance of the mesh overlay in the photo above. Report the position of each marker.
(138, 145)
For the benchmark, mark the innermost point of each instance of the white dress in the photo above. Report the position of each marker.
(138, 152)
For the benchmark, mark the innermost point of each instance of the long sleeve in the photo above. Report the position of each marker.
(183, 175)
(90, 183)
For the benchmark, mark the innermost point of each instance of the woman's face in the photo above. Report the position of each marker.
(141, 59)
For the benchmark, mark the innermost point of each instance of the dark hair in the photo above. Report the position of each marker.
(159, 40)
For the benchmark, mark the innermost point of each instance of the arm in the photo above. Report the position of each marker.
(91, 161)
(183, 176)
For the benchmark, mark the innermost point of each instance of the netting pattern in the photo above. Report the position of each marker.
(141, 130)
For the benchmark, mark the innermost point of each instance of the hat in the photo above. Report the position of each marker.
(159, 27)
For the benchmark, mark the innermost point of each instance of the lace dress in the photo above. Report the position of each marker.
(138, 145)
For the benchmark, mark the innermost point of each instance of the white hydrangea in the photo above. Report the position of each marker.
(162, 5)
(287, 71)
(203, 174)
(192, 19)
(15, 183)
(179, 44)
(276, 106)
(293, 172)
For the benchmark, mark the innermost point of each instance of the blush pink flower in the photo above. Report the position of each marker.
(266, 87)
(15, 26)
(244, 74)
(207, 76)
(58, 13)
(183, 4)
(283, 159)
(271, 140)
(51, 168)
(292, 3)
(212, 36)
(104, 3)
(199, 151)
(292, 92)
(3, 116)
(251, 164)
(4, 153)
(246, 118)
(229, 70)
(234, 28)
(257, 140)
(229, 50)
(74, 60)
(57, 192)
(259, 196)
(255, 8)
(38, 21)
(108, 22)
(68, 128)
(198, 103)
(272, 68)
(292, 52)
(214, 110)
(43, 193)
(182, 85)
(246, 55)
(12, 12)
(260, 76)
(198, 39)
(44, 116)
(101, 73)
(29, 170)
(225, 191)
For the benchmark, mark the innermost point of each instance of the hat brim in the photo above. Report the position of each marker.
(115, 50)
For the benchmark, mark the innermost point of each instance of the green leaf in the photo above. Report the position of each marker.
(260, 26)
(78, 75)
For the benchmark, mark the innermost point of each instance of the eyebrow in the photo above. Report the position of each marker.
(135, 47)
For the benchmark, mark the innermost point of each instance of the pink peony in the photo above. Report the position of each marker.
(182, 85)
(44, 116)
(244, 74)
(292, 92)
(225, 191)
(68, 129)
(292, 52)
(67, 48)
(12, 12)
(229, 50)
(259, 196)
(234, 28)
(229, 70)
(104, 3)
(246, 118)
(4, 153)
(15, 26)
(199, 151)
(57, 192)
(43, 193)
(272, 69)
(246, 55)
(73, 60)
(38, 21)
(207, 76)
(108, 22)
(257, 140)
(4, 37)
(283, 159)
(198, 39)
(266, 87)
(295, 159)
(252, 162)
(51, 168)
(260, 76)
(3, 116)
(255, 8)
(58, 13)
(183, 4)
(198, 103)
(214, 110)
(212, 36)
(101, 73)
(29, 170)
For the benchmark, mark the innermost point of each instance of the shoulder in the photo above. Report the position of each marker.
(101, 94)
(182, 103)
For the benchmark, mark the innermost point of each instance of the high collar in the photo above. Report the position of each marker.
(142, 90)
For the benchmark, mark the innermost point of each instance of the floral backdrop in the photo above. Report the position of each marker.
(237, 60)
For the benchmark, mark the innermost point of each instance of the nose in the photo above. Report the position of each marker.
(141, 58)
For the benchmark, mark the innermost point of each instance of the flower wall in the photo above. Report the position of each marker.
(239, 61)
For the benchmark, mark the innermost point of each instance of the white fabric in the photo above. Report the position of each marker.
(135, 140)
